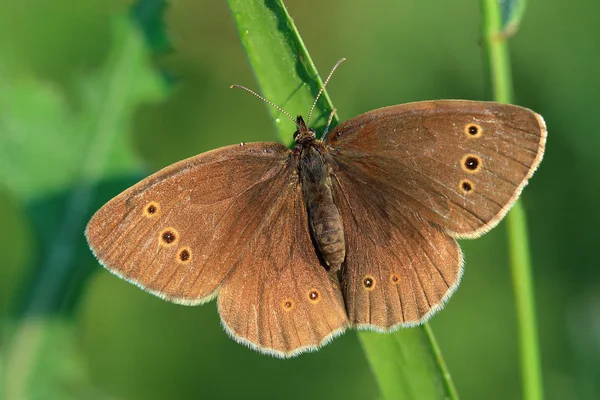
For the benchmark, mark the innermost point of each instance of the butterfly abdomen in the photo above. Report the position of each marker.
(324, 217)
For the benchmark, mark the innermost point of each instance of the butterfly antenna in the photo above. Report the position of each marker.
(323, 88)
(263, 99)
(328, 123)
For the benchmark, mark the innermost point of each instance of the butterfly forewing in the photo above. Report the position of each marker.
(178, 233)
(460, 164)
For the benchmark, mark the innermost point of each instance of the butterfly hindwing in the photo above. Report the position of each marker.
(399, 268)
(280, 300)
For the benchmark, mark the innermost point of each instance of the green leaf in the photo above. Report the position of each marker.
(63, 152)
(150, 16)
(47, 145)
(406, 364)
(512, 14)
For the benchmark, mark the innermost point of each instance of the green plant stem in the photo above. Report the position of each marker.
(518, 243)
(406, 364)
(497, 52)
(523, 289)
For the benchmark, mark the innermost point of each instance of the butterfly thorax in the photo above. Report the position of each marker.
(324, 217)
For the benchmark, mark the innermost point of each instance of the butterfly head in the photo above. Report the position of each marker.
(303, 133)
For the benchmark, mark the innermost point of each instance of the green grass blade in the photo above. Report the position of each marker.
(284, 70)
(406, 364)
(520, 260)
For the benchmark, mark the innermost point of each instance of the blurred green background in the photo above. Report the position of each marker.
(88, 106)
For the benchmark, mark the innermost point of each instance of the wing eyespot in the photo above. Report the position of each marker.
(287, 304)
(473, 130)
(368, 282)
(466, 186)
(152, 209)
(314, 296)
(471, 163)
(168, 236)
(184, 255)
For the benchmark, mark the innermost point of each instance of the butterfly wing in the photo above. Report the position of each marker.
(234, 219)
(401, 176)
(179, 232)
(460, 164)
(399, 268)
(282, 301)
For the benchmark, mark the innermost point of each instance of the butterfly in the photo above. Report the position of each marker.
(356, 229)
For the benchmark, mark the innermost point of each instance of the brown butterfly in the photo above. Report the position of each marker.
(356, 230)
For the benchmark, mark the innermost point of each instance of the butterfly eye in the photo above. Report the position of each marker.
(296, 135)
